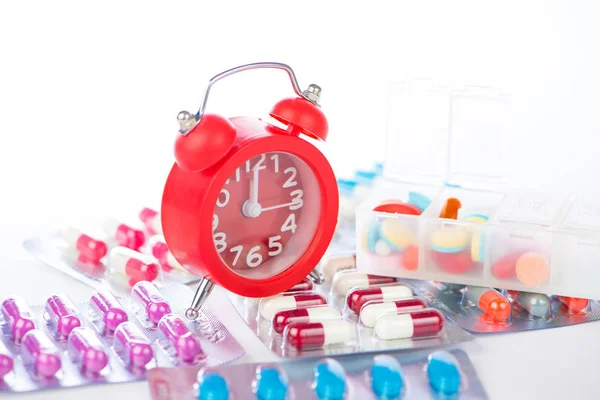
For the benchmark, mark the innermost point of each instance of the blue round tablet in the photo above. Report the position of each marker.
(271, 384)
(213, 387)
(329, 380)
(386, 377)
(419, 200)
(443, 372)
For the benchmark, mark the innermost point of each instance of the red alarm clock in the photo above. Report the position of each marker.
(251, 205)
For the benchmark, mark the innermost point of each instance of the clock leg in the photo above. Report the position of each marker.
(316, 277)
(202, 292)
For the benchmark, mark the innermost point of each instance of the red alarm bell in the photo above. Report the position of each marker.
(249, 205)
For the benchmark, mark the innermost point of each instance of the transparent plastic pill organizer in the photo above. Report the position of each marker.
(450, 207)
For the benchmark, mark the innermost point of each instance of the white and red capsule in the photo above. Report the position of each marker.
(160, 250)
(135, 266)
(358, 297)
(412, 324)
(271, 305)
(124, 235)
(90, 250)
(309, 314)
(373, 310)
(345, 281)
(151, 220)
(313, 335)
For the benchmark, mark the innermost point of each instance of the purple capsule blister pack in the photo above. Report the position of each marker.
(112, 252)
(108, 339)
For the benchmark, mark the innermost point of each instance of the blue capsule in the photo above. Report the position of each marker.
(213, 387)
(443, 372)
(329, 380)
(419, 200)
(386, 377)
(271, 384)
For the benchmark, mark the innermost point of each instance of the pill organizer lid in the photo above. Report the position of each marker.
(460, 137)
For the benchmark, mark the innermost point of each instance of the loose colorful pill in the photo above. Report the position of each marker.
(419, 200)
(18, 316)
(532, 269)
(358, 297)
(39, 351)
(574, 304)
(412, 324)
(62, 315)
(90, 249)
(284, 318)
(450, 208)
(345, 281)
(387, 381)
(85, 350)
(370, 312)
(334, 264)
(329, 380)
(449, 240)
(476, 218)
(396, 234)
(536, 304)
(477, 246)
(174, 330)
(132, 346)
(315, 335)
(212, 386)
(302, 286)
(410, 258)
(397, 207)
(453, 263)
(146, 297)
(270, 306)
(105, 307)
(372, 236)
(271, 384)
(135, 266)
(490, 302)
(443, 372)
(6, 361)
(506, 266)
(124, 235)
(151, 220)
(160, 250)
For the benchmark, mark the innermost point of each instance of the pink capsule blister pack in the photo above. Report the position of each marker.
(489, 310)
(114, 252)
(341, 310)
(108, 339)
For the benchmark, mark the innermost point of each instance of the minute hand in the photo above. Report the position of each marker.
(280, 206)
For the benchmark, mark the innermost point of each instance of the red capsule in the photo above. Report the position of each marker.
(574, 304)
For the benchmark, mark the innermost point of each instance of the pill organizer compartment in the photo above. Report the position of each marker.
(464, 145)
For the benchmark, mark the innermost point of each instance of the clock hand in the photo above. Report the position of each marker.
(254, 187)
(279, 206)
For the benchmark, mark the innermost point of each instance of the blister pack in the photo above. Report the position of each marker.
(114, 253)
(108, 339)
(488, 310)
(346, 312)
(418, 375)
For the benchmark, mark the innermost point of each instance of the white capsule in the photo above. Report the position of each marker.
(332, 265)
(371, 312)
(337, 332)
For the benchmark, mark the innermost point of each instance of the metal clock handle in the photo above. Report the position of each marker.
(187, 121)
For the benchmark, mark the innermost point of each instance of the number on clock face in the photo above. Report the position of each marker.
(258, 210)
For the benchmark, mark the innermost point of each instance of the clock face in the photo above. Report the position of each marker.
(266, 215)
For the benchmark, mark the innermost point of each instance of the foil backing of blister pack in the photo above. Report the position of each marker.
(50, 251)
(218, 345)
(468, 316)
(178, 384)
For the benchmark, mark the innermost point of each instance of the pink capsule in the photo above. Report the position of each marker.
(61, 314)
(160, 250)
(135, 266)
(147, 298)
(38, 350)
(124, 235)
(85, 350)
(106, 306)
(132, 346)
(172, 328)
(6, 360)
(151, 220)
(90, 250)
(18, 316)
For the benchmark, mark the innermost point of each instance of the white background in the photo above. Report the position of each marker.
(89, 92)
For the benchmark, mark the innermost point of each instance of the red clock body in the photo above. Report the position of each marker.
(260, 218)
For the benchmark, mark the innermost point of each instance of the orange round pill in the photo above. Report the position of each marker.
(410, 258)
(532, 269)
